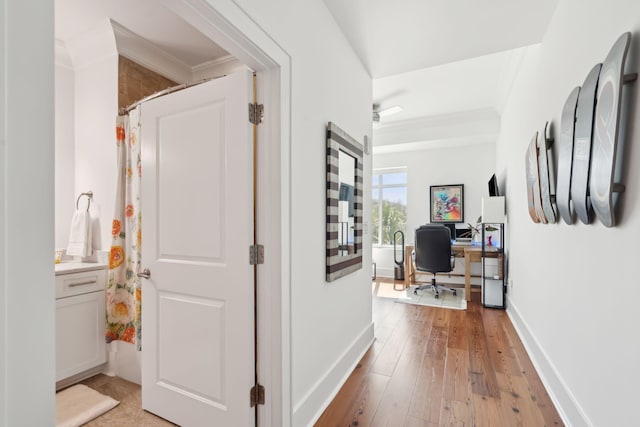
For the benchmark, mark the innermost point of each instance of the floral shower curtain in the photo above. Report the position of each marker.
(124, 294)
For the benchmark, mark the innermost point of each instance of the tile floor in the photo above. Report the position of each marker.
(129, 412)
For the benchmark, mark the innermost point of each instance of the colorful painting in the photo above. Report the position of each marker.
(447, 203)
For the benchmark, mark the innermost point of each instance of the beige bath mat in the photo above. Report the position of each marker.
(80, 404)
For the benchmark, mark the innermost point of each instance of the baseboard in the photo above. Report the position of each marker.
(565, 402)
(385, 272)
(313, 404)
(64, 383)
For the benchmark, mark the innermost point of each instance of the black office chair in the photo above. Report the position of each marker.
(432, 254)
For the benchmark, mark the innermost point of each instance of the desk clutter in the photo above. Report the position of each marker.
(462, 241)
(470, 254)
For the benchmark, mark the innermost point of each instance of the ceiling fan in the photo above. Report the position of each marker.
(378, 113)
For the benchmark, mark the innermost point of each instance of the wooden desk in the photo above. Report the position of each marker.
(470, 254)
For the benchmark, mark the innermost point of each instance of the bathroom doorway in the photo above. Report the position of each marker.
(229, 28)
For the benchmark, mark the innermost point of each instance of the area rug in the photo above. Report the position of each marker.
(80, 404)
(424, 297)
(428, 297)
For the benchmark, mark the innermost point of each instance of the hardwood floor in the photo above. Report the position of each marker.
(434, 367)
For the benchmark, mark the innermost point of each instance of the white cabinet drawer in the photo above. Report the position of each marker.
(80, 283)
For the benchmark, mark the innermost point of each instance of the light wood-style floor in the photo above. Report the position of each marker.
(428, 367)
(439, 367)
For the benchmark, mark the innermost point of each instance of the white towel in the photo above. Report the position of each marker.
(80, 234)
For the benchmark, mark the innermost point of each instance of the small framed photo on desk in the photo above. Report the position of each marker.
(446, 203)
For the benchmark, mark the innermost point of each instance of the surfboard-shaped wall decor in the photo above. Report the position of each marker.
(546, 174)
(606, 164)
(582, 146)
(533, 182)
(590, 149)
(565, 156)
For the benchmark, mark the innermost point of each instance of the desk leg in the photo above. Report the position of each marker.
(408, 267)
(467, 276)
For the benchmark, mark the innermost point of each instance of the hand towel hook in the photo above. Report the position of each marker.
(89, 195)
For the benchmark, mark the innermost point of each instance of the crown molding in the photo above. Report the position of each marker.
(217, 68)
(110, 38)
(149, 55)
(215, 63)
(467, 125)
(436, 144)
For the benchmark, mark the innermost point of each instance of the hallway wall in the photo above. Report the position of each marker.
(27, 291)
(573, 294)
(331, 322)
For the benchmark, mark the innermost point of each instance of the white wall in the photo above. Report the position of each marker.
(65, 198)
(26, 221)
(95, 61)
(331, 322)
(471, 165)
(574, 296)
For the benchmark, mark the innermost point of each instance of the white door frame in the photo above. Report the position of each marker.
(233, 29)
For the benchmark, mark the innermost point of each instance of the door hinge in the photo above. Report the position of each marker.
(256, 113)
(256, 254)
(257, 395)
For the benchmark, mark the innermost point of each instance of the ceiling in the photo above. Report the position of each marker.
(444, 62)
(148, 19)
(471, 84)
(393, 37)
(435, 58)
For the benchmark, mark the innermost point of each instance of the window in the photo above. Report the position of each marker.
(389, 204)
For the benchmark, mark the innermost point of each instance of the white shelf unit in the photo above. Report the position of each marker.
(493, 283)
(493, 278)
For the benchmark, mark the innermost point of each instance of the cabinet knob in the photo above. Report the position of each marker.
(145, 274)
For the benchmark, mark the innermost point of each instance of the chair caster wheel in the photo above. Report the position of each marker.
(437, 296)
(415, 292)
(455, 293)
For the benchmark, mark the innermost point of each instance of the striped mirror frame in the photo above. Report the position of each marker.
(339, 265)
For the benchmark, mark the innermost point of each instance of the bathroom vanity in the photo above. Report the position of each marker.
(80, 320)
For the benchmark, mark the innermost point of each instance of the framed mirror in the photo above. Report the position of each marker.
(344, 203)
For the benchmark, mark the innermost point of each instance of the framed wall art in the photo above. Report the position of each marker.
(446, 203)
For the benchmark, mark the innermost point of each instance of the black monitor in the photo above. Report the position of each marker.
(452, 228)
(493, 186)
(463, 233)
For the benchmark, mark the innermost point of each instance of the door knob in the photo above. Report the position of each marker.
(145, 274)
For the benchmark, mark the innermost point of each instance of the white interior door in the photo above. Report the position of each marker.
(197, 317)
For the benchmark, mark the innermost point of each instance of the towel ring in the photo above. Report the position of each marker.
(89, 195)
